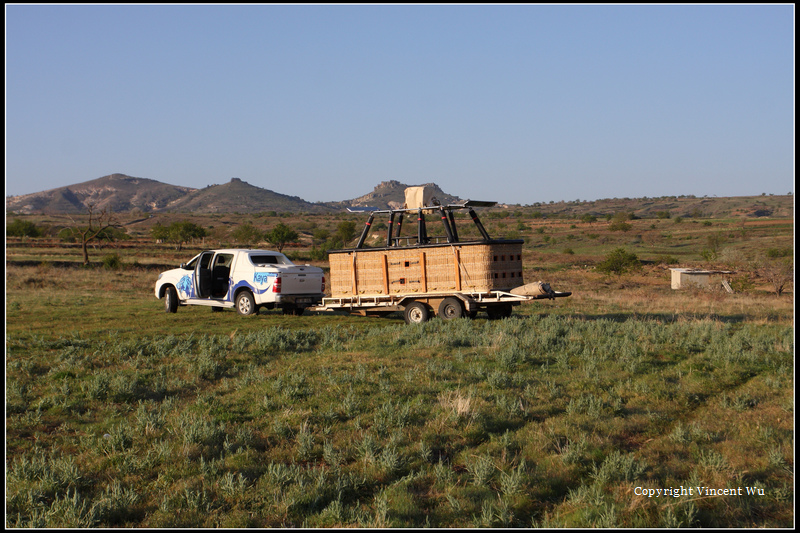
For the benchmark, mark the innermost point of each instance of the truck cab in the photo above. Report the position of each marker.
(241, 278)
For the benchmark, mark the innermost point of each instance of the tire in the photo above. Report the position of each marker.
(498, 312)
(170, 300)
(451, 308)
(416, 313)
(246, 304)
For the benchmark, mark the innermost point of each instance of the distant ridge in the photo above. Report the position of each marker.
(122, 193)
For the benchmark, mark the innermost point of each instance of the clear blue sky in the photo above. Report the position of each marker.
(517, 104)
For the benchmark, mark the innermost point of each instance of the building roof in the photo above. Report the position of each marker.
(701, 271)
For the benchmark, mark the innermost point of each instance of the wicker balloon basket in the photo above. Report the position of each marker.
(440, 268)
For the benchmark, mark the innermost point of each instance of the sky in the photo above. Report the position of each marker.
(510, 103)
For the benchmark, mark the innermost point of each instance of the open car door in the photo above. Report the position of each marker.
(202, 276)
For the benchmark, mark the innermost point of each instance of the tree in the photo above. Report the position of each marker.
(97, 227)
(778, 268)
(321, 235)
(715, 242)
(346, 231)
(159, 232)
(618, 222)
(618, 262)
(247, 234)
(281, 235)
(177, 232)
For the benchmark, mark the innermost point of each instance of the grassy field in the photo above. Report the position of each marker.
(571, 413)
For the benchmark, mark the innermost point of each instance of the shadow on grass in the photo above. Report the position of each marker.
(92, 264)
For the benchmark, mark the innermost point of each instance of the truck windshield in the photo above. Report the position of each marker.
(205, 260)
(193, 263)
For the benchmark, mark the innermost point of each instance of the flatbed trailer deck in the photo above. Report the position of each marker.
(497, 304)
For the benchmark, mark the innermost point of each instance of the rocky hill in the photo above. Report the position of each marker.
(121, 193)
(116, 192)
(391, 195)
(238, 196)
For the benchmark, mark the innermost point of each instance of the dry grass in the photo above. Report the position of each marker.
(456, 403)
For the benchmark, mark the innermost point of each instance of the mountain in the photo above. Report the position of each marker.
(121, 193)
(239, 196)
(116, 192)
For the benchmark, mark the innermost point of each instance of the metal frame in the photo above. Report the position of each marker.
(393, 237)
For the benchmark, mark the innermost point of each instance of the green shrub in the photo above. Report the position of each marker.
(618, 262)
(112, 261)
(774, 253)
(23, 228)
(619, 225)
(667, 260)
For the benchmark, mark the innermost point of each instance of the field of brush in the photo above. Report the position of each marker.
(577, 412)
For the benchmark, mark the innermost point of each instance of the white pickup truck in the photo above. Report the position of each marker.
(245, 279)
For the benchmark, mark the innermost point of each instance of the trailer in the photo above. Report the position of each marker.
(424, 275)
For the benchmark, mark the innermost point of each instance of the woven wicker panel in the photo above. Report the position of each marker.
(506, 266)
(478, 267)
(340, 277)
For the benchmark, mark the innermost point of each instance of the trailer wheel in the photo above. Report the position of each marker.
(450, 308)
(416, 313)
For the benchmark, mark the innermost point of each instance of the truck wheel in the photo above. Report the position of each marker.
(416, 313)
(171, 300)
(450, 308)
(245, 303)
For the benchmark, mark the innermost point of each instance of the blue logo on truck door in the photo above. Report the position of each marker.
(185, 286)
(261, 278)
